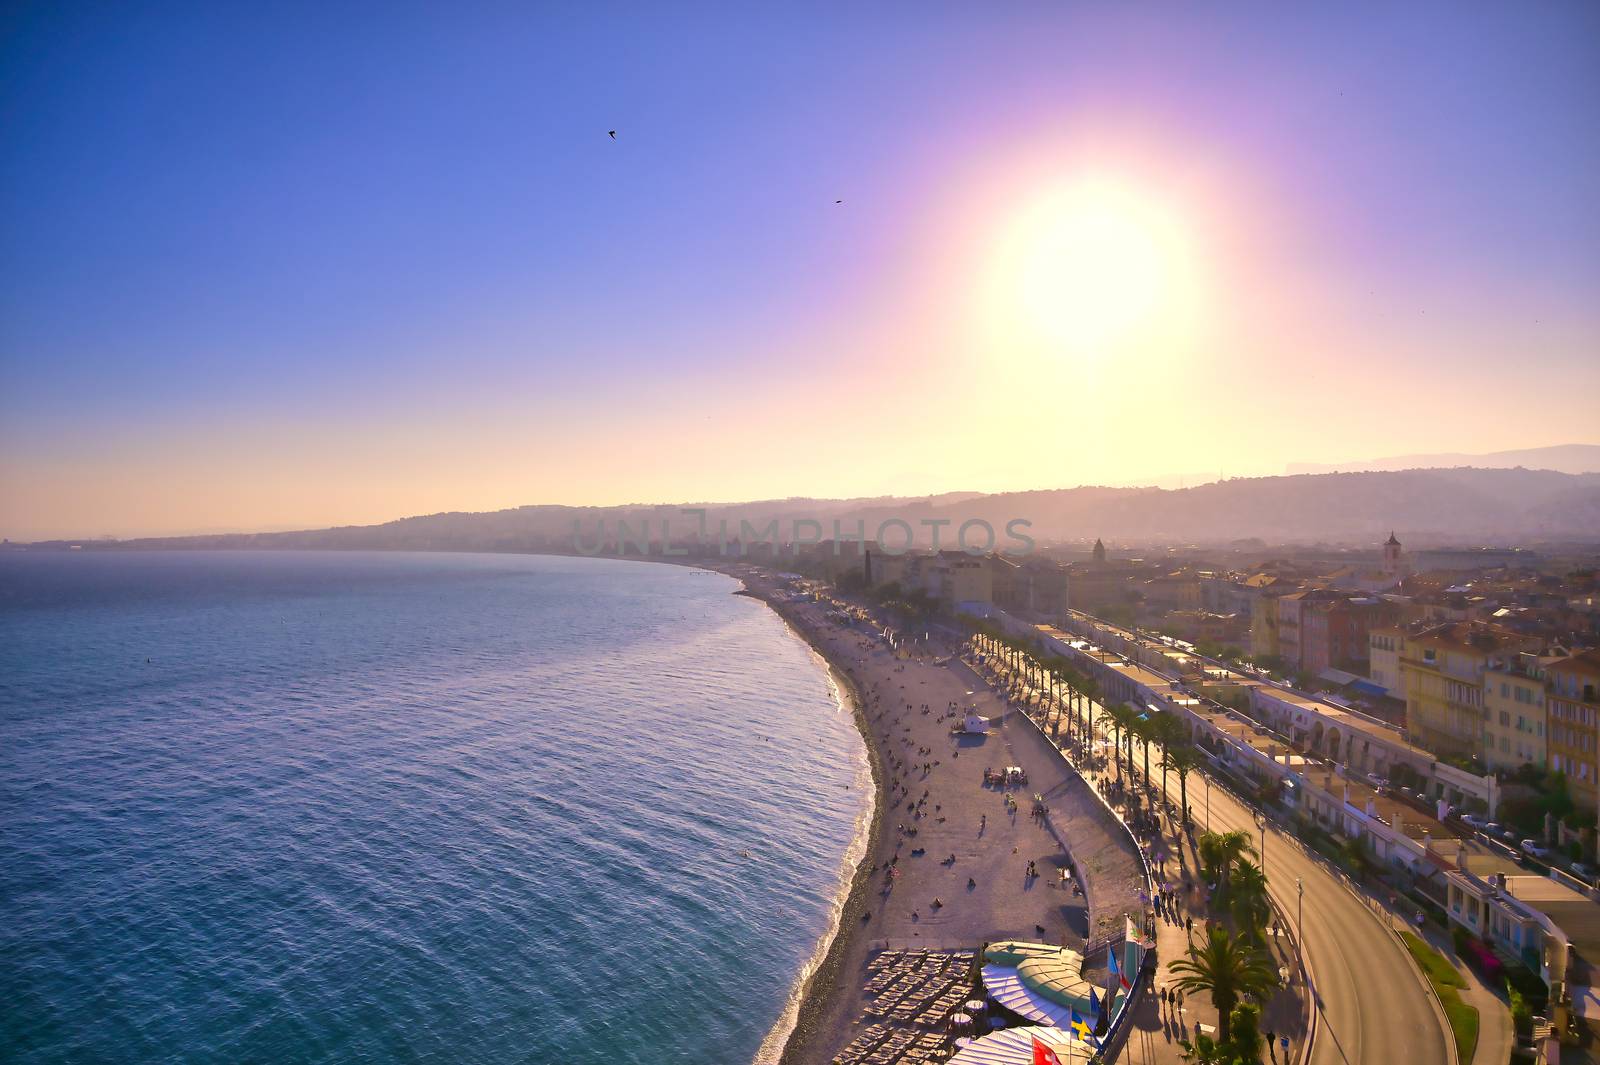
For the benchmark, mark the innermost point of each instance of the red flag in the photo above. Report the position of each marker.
(1043, 1055)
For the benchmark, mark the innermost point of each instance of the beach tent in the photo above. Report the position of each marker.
(1040, 982)
(1014, 1046)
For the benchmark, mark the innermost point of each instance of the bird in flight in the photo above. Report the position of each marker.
(612, 133)
(838, 201)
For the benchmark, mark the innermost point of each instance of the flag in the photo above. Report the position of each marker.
(1081, 1029)
(1043, 1055)
(1116, 970)
(1094, 1001)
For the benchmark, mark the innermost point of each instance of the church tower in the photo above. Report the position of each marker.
(1392, 564)
(1099, 552)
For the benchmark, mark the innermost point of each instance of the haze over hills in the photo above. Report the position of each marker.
(1454, 506)
(1564, 458)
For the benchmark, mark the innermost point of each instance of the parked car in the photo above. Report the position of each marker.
(1585, 872)
(1473, 820)
(1532, 849)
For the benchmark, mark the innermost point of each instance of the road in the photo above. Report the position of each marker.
(1373, 1004)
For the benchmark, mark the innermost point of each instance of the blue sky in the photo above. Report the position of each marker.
(371, 239)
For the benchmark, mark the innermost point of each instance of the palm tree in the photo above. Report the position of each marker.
(1247, 900)
(1227, 969)
(1120, 718)
(1205, 1050)
(1168, 731)
(1089, 689)
(1130, 724)
(1145, 728)
(1221, 851)
(1074, 684)
(1181, 760)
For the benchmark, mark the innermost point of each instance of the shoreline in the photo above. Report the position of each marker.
(812, 997)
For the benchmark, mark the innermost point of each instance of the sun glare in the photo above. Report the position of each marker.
(1093, 269)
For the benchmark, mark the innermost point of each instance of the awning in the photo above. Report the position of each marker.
(1014, 1046)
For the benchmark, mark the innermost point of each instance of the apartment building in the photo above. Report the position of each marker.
(1442, 670)
(1383, 659)
(1572, 708)
(1514, 711)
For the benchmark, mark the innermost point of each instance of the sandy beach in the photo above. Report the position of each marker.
(948, 860)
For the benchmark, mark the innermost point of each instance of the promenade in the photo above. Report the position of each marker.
(1160, 1025)
(948, 866)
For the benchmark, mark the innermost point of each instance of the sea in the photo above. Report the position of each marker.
(382, 807)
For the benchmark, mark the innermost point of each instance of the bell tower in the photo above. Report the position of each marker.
(1393, 566)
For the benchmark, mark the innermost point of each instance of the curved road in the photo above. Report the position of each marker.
(1374, 1006)
(1373, 1002)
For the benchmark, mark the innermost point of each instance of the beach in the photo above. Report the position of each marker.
(948, 859)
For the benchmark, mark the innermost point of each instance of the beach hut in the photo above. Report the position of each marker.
(1014, 1046)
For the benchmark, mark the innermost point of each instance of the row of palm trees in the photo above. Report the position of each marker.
(1233, 967)
(1078, 695)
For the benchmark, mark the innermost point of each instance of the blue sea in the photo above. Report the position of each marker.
(366, 807)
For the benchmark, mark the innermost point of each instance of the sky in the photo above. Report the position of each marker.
(286, 266)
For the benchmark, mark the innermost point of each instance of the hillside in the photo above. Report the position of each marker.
(1455, 506)
(1563, 458)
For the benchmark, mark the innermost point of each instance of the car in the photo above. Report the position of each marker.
(1491, 829)
(1532, 849)
(1585, 872)
(1473, 821)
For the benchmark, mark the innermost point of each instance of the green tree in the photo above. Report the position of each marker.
(1248, 901)
(1227, 969)
(1089, 690)
(1120, 718)
(1144, 730)
(1246, 1042)
(1220, 851)
(1182, 761)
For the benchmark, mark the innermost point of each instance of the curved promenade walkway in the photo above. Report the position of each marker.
(949, 867)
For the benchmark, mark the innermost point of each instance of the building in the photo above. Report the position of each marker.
(1264, 641)
(1572, 710)
(1441, 670)
(1394, 563)
(959, 579)
(1383, 659)
(1029, 587)
(1321, 629)
(1490, 907)
(1171, 591)
(1514, 712)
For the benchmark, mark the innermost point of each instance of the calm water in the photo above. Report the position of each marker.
(287, 807)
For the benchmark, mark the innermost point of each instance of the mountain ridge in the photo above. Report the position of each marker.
(1442, 505)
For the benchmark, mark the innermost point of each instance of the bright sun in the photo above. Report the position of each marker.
(1094, 268)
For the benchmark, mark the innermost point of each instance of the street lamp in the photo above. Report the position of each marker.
(1261, 823)
(1208, 804)
(1300, 917)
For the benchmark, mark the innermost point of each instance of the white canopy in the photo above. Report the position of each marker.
(1014, 1046)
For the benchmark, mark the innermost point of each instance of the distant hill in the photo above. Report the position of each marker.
(1564, 458)
(1456, 506)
